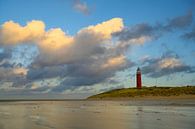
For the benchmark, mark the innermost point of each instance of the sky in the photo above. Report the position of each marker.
(76, 48)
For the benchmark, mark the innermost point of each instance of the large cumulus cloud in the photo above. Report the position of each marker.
(87, 58)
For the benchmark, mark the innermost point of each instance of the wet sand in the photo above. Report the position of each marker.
(131, 114)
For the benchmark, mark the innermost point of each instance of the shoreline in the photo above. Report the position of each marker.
(180, 97)
(17, 100)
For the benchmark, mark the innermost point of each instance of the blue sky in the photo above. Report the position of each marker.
(75, 55)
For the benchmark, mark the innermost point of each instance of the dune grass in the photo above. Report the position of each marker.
(146, 91)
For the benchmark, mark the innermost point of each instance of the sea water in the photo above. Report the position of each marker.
(96, 115)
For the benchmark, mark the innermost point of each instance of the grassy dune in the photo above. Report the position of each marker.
(145, 91)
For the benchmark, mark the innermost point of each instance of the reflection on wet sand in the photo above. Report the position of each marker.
(93, 115)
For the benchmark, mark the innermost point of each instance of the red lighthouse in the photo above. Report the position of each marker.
(139, 78)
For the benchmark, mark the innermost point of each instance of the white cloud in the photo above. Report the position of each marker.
(20, 71)
(72, 58)
(10, 73)
(166, 65)
(13, 33)
(108, 27)
(140, 40)
(169, 63)
(114, 62)
(81, 7)
(54, 39)
(55, 46)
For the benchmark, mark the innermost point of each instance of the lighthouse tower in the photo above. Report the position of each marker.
(139, 79)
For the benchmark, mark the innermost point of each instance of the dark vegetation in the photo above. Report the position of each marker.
(146, 91)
